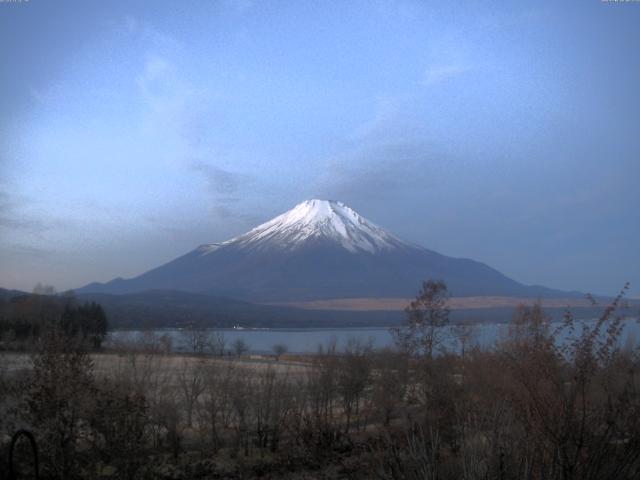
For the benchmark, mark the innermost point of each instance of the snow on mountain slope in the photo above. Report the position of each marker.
(315, 221)
(208, 248)
(318, 250)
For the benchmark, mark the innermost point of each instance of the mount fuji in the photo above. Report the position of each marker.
(319, 250)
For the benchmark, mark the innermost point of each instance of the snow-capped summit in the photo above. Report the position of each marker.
(319, 249)
(318, 221)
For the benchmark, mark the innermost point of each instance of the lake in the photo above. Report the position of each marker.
(307, 340)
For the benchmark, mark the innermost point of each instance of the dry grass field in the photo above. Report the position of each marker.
(459, 303)
(108, 364)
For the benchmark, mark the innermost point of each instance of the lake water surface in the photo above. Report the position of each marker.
(307, 340)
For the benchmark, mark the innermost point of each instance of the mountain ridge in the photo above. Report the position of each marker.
(318, 250)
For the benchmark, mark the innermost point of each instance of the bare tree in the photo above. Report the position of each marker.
(415, 455)
(166, 343)
(119, 421)
(191, 384)
(321, 388)
(196, 337)
(353, 377)
(578, 401)
(279, 349)
(241, 398)
(270, 407)
(426, 315)
(215, 406)
(240, 347)
(464, 333)
(61, 388)
(390, 381)
(145, 369)
(218, 343)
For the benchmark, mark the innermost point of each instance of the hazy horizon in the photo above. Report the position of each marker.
(503, 133)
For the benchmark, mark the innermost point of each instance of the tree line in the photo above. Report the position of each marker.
(24, 319)
(526, 408)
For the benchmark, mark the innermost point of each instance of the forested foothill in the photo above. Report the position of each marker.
(26, 318)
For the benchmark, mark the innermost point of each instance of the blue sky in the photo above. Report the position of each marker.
(507, 132)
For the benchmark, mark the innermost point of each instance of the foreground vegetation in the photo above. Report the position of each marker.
(525, 409)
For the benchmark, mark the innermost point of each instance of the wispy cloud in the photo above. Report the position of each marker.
(220, 182)
(18, 222)
(387, 109)
(131, 23)
(227, 190)
(183, 113)
(162, 88)
(380, 172)
(28, 252)
(11, 217)
(441, 73)
(239, 7)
